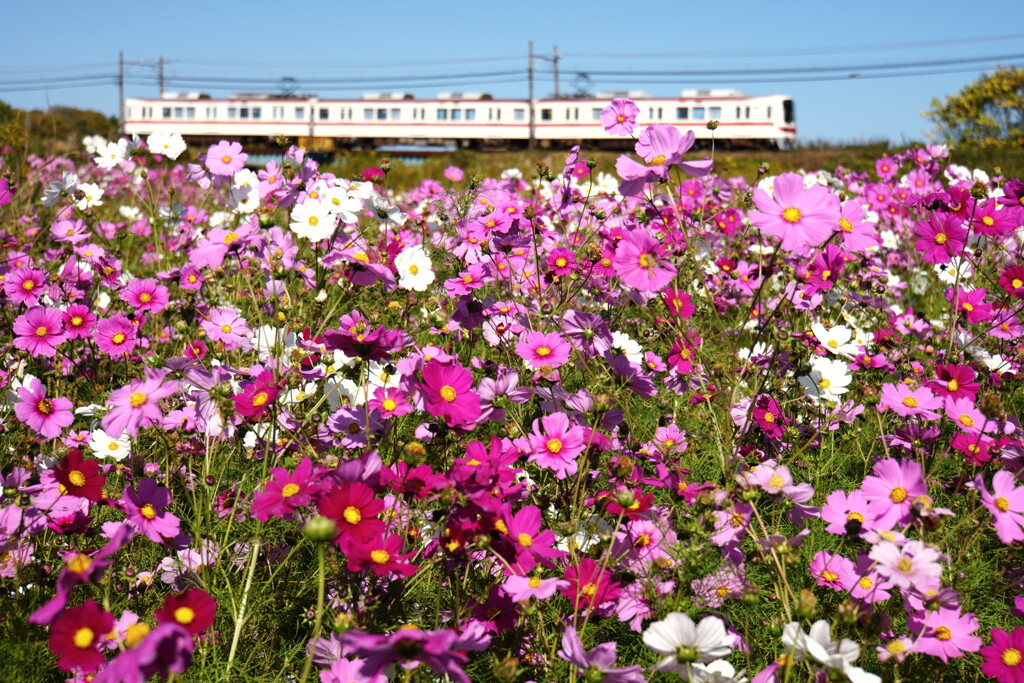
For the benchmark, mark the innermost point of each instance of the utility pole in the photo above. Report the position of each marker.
(160, 74)
(532, 142)
(120, 92)
(554, 61)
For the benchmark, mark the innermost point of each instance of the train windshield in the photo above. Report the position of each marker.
(787, 111)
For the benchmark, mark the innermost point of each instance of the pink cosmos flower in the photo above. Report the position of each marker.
(522, 588)
(848, 514)
(225, 158)
(941, 237)
(530, 542)
(971, 304)
(799, 217)
(78, 321)
(25, 285)
(539, 349)
(555, 443)
(448, 391)
(905, 401)
(912, 564)
(145, 295)
(833, 571)
(145, 508)
(390, 402)
(662, 145)
(966, 415)
(619, 117)
(137, 404)
(1006, 503)
(381, 554)
(641, 264)
(39, 331)
(857, 233)
(225, 325)
(115, 335)
(286, 491)
(945, 633)
(892, 489)
(48, 417)
(954, 380)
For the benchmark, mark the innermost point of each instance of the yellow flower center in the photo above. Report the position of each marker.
(230, 237)
(352, 515)
(1017, 283)
(134, 634)
(41, 331)
(76, 478)
(448, 393)
(658, 160)
(824, 383)
(845, 225)
(388, 404)
(940, 238)
(904, 565)
(83, 638)
(988, 220)
(500, 526)
(289, 490)
(145, 297)
(895, 647)
(966, 420)
(226, 159)
(260, 398)
(792, 215)
(910, 402)
(380, 556)
(225, 328)
(952, 385)
(313, 220)
(79, 564)
(45, 406)
(590, 590)
(561, 262)
(855, 517)
(137, 399)
(830, 576)
(769, 418)
(898, 494)
(1011, 656)
(525, 540)
(776, 481)
(535, 582)
(645, 261)
(147, 511)
(1002, 504)
(554, 446)
(118, 338)
(865, 582)
(943, 633)
(184, 615)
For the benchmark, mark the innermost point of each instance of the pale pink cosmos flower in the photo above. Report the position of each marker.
(891, 490)
(640, 263)
(555, 443)
(137, 404)
(800, 217)
(1006, 503)
(913, 564)
(906, 402)
(619, 117)
(225, 158)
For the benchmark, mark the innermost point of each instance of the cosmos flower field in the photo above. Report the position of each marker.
(566, 424)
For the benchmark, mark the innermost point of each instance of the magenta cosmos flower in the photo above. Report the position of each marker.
(145, 295)
(539, 349)
(286, 491)
(945, 633)
(25, 285)
(555, 443)
(940, 238)
(619, 117)
(137, 404)
(145, 509)
(1003, 660)
(892, 490)
(48, 417)
(115, 335)
(39, 331)
(448, 391)
(799, 217)
(225, 158)
(640, 263)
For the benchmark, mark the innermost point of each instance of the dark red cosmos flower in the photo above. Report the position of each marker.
(377, 345)
(75, 635)
(380, 554)
(194, 610)
(258, 396)
(80, 476)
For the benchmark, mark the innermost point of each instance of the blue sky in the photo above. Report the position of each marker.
(61, 43)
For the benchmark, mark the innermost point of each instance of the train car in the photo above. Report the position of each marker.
(453, 120)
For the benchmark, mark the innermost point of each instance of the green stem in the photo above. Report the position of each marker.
(321, 580)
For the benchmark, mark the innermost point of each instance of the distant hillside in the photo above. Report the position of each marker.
(57, 131)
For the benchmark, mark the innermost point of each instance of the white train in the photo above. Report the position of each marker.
(383, 120)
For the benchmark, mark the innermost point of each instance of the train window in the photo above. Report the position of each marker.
(519, 114)
(659, 113)
(769, 113)
(498, 115)
(595, 114)
(545, 114)
(737, 112)
(576, 114)
(325, 113)
(396, 114)
(715, 112)
(257, 113)
(232, 112)
(300, 113)
(650, 113)
(787, 111)
(747, 112)
(382, 114)
(190, 113)
(442, 114)
(277, 113)
(682, 113)
(368, 115)
(243, 113)
(471, 114)
(179, 112)
(698, 113)
(167, 112)
(456, 114)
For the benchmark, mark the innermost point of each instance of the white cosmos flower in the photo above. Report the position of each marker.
(171, 145)
(93, 142)
(91, 196)
(341, 201)
(57, 188)
(312, 220)
(819, 648)
(718, 671)
(683, 643)
(628, 347)
(415, 271)
(274, 342)
(244, 199)
(837, 340)
(828, 379)
(111, 154)
(104, 447)
(342, 392)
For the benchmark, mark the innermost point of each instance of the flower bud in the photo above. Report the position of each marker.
(320, 529)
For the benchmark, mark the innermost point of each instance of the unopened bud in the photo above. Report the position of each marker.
(320, 529)
(712, 125)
